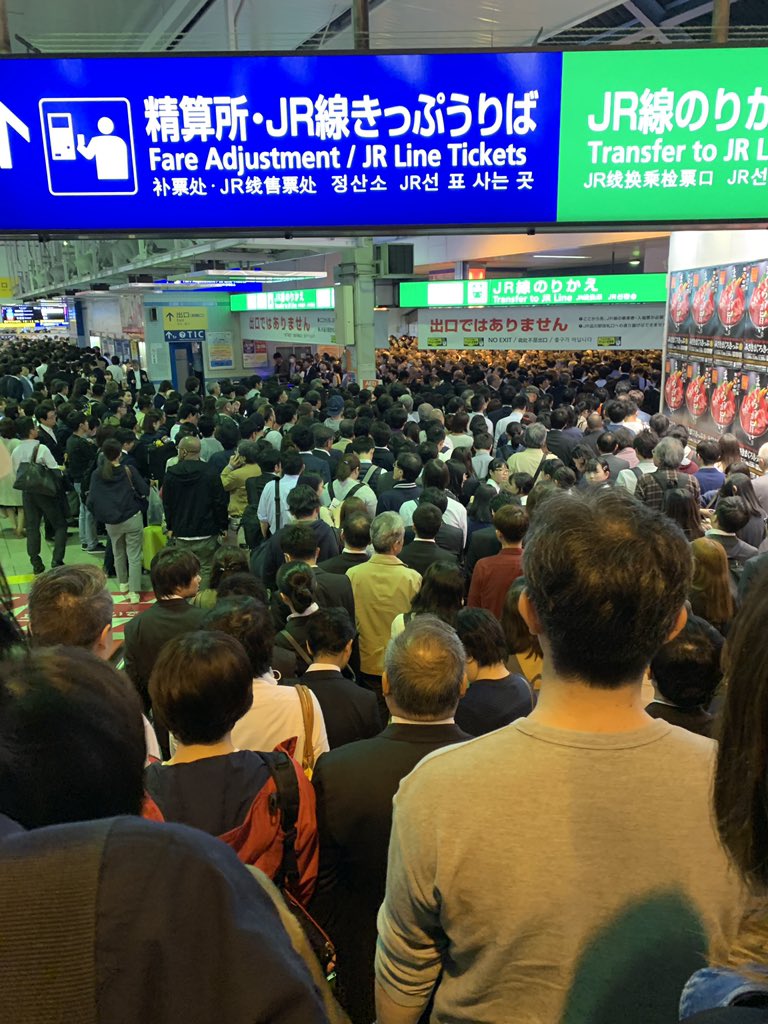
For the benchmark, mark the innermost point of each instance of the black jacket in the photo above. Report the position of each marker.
(154, 903)
(52, 443)
(350, 712)
(327, 541)
(355, 785)
(390, 501)
(562, 446)
(482, 544)
(195, 503)
(340, 563)
(148, 632)
(113, 501)
(81, 457)
(314, 464)
(419, 555)
(385, 458)
(491, 704)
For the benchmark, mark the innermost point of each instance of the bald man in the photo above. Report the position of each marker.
(195, 505)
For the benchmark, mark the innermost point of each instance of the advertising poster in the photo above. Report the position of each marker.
(717, 352)
(132, 316)
(610, 327)
(221, 353)
(254, 354)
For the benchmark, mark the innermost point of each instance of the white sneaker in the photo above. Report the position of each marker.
(134, 598)
(123, 588)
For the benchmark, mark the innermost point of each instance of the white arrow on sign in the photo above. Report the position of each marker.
(9, 120)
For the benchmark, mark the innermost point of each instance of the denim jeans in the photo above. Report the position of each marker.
(712, 987)
(126, 540)
(86, 523)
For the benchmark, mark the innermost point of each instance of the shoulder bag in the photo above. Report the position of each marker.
(34, 478)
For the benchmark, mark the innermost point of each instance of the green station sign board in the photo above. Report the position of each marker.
(535, 291)
(663, 135)
(297, 298)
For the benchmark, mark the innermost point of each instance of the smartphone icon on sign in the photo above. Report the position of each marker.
(62, 137)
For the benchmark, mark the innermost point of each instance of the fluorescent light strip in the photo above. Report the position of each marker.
(557, 256)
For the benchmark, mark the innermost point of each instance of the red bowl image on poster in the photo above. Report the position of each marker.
(696, 398)
(674, 391)
(704, 303)
(730, 305)
(758, 307)
(680, 304)
(723, 404)
(753, 414)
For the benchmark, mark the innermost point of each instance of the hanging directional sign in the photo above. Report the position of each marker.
(378, 141)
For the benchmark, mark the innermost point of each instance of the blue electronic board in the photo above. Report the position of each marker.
(248, 143)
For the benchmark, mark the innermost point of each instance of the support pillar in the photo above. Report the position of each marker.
(5, 35)
(354, 308)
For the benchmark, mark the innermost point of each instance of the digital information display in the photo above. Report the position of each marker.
(41, 314)
(235, 143)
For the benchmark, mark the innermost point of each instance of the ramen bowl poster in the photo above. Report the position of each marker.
(724, 302)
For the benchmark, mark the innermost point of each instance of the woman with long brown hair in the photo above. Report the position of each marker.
(711, 593)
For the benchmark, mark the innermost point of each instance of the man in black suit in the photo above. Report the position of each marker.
(45, 414)
(301, 435)
(175, 574)
(595, 427)
(423, 550)
(382, 456)
(484, 543)
(558, 443)
(350, 711)
(405, 488)
(355, 536)
(424, 677)
(322, 440)
(304, 507)
(606, 448)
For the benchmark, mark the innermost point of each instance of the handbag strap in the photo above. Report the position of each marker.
(34, 454)
(308, 714)
(296, 646)
(130, 479)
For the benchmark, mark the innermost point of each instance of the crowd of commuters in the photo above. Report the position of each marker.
(420, 723)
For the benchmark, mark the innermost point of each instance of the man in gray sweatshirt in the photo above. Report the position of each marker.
(565, 868)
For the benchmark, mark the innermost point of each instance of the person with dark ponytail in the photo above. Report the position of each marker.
(115, 498)
(297, 588)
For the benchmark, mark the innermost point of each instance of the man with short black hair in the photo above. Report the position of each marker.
(423, 549)
(351, 712)
(189, 413)
(406, 473)
(495, 697)
(644, 443)
(492, 577)
(559, 443)
(731, 516)
(303, 507)
(301, 435)
(504, 939)
(273, 503)
(709, 477)
(355, 538)
(686, 673)
(517, 406)
(175, 575)
(301, 542)
(484, 543)
(424, 678)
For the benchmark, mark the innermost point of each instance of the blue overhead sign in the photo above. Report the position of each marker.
(233, 143)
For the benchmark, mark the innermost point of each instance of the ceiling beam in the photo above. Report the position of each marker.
(647, 13)
(173, 20)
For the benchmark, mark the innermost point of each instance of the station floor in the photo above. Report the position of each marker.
(18, 571)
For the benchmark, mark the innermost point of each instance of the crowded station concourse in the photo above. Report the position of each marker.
(416, 698)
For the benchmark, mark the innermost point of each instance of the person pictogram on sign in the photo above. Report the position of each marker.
(109, 151)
